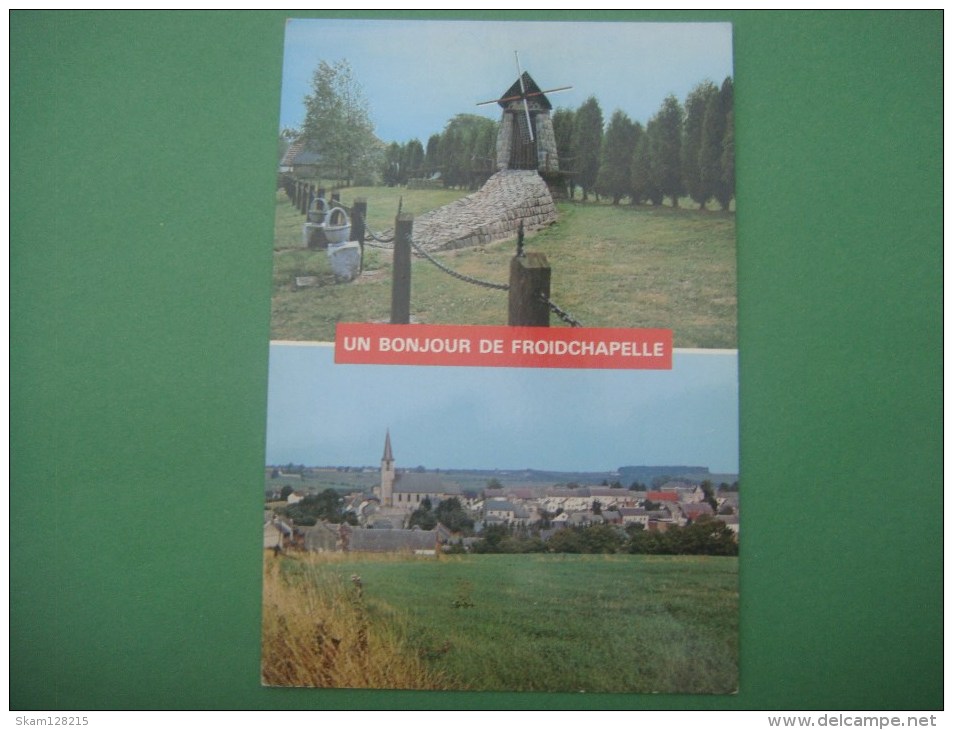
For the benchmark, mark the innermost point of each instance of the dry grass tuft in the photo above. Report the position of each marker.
(317, 632)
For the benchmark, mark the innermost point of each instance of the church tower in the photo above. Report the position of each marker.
(388, 473)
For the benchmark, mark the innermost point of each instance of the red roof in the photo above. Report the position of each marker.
(662, 496)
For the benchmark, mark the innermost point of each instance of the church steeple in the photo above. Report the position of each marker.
(388, 474)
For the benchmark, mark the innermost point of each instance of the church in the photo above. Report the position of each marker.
(401, 492)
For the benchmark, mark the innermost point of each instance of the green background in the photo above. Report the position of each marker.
(142, 176)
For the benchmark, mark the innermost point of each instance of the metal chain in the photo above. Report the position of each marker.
(368, 232)
(559, 312)
(378, 238)
(457, 274)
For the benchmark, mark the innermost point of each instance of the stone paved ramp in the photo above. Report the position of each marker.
(490, 214)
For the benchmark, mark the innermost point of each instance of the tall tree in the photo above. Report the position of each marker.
(451, 156)
(390, 165)
(725, 191)
(721, 128)
(337, 123)
(666, 149)
(412, 160)
(562, 130)
(643, 183)
(465, 146)
(432, 155)
(700, 146)
(587, 144)
(614, 179)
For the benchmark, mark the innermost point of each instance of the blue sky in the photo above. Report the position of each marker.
(416, 75)
(320, 413)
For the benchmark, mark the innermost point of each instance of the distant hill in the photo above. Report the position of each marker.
(647, 474)
(349, 479)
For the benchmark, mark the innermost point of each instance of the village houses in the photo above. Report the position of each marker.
(383, 513)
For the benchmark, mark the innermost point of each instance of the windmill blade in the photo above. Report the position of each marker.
(550, 91)
(522, 96)
(529, 122)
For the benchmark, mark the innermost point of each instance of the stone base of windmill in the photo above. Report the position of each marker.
(493, 213)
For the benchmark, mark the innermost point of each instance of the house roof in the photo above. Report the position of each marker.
(288, 159)
(567, 492)
(522, 493)
(371, 539)
(607, 492)
(307, 157)
(662, 496)
(694, 510)
(392, 540)
(423, 483)
(299, 154)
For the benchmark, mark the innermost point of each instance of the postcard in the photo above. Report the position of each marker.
(502, 438)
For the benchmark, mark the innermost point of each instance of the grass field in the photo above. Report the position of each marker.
(572, 623)
(613, 266)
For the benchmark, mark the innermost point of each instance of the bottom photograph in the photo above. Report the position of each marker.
(501, 529)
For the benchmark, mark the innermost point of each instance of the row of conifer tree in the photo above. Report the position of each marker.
(683, 150)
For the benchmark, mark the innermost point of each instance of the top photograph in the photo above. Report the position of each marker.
(506, 173)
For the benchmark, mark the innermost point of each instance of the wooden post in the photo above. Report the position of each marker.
(320, 192)
(400, 286)
(336, 197)
(529, 277)
(358, 218)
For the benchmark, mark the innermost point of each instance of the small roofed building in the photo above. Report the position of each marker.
(612, 516)
(300, 161)
(505, 511)
(634, 516)
(609, 497)
(277, 533)
(691, 511)
(297, 495)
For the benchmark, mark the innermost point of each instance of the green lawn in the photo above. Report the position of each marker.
(612, 266)
(593, 623)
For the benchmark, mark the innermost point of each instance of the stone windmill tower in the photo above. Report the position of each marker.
(526, 140)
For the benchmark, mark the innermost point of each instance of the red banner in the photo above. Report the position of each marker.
(515, 347)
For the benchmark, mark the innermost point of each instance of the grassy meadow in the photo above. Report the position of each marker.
(570, 623)
(613, 266)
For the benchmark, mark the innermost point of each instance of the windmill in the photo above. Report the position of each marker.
(527, 90)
